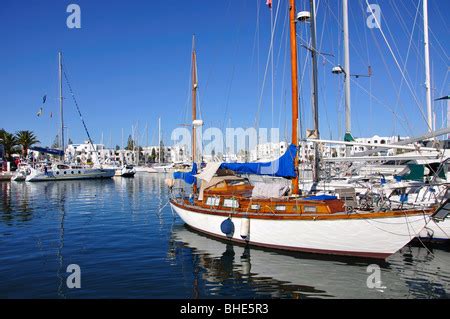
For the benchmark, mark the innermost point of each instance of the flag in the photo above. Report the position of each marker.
(269, 3)
(40, 112)
(44, 99)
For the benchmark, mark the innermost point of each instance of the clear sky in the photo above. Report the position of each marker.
(130, 64)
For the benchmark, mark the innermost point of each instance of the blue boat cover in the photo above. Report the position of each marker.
(188, 177)
(47, 150)
(321, 197)
(282, 167)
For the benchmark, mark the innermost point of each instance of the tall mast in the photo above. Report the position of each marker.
(159, 140)
(61, 100)
(194, 105)
(315, 92)
(348, 120)
(294, 84)
(427, 65)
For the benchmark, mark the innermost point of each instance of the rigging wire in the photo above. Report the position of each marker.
(233, 69)
(399, 67)
(407, 54)
(78, 108)
(266, 68)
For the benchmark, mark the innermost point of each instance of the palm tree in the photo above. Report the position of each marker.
(26, 139)
(9, 141)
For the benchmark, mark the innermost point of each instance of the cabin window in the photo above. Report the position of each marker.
(280, 208)
(213, 201)
(231, 203)
(310, 209)
(255, 206)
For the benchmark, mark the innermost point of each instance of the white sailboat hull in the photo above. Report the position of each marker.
(70, 174)
(377, 238)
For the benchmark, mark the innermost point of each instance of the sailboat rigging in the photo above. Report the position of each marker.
(228, 206)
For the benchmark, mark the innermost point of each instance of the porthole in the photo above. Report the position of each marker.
(79, 172)
(73, 173)
(57, 173)
(65, 172)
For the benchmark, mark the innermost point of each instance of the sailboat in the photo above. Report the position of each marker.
(228, 206)
(60, 170)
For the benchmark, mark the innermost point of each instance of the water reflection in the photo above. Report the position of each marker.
(128, 244)
(413, 272)
(15, 204)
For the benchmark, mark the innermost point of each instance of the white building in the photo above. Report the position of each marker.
(327, 151)
(268, 151)
(87, 152)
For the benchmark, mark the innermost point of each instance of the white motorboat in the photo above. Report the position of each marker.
(125, 171)
(5, 176)
(145, 169)
(163, 168)
(68, 172)
(20, 175)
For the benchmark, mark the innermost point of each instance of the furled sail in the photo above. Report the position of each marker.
(52, 151)
(281, 167)
(188, 177)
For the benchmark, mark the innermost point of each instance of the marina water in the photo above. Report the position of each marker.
(128, 244)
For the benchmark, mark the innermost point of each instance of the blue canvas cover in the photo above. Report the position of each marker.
(321, 197)
(52, 151)
(282, 167)
(188, 177)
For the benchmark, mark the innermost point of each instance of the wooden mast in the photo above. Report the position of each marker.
(294, 84)
(194, 106)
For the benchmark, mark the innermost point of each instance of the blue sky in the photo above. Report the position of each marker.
(130, 64)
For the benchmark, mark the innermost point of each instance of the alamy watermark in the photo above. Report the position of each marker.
(74, 279)
(232, 140)
(374, 279)
(373, 21)
(74, 19)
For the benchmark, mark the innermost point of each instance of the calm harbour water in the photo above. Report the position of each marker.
(128, 244)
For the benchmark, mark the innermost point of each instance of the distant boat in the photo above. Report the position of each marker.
(126, 171)
(145, 169)
(5, 176)
(163, 168)
(23, 170)
(60, 171)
